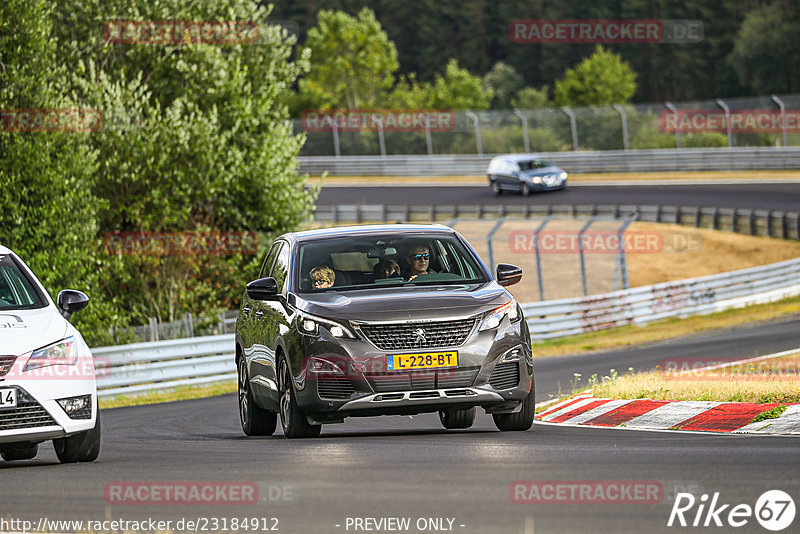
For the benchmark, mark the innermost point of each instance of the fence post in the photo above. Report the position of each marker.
(676, 114)
(478, 142)
(573, 126)
(153, 322)
(187, 318)
(621, 267)
(582, 259)
(489, 238)
(624, 117)
(428, 138)
(525, 137)
(727, 111)
(538, 255)
(783, 118)
(381, 140)
(336, 147)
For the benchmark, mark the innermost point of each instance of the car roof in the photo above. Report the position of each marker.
(518, 157)
(341, 231)
(4, 250)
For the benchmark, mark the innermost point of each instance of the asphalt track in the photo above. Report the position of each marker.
(411, 467)
(759, 196)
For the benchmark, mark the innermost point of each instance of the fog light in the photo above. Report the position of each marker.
(77, 407)
(511, 356)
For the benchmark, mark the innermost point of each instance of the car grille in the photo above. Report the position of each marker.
(423, 380)
(334, 388)
(505, 375)
(405, 336)
(6, 362)
(27, 414)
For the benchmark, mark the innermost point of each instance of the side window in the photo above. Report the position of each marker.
(265, 268)
(280, 270)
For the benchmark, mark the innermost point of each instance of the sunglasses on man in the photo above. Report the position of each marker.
(420, 257)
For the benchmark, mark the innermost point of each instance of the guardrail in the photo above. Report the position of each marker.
(652, 160)
(142, 367)
(639, 305)
(772, 223)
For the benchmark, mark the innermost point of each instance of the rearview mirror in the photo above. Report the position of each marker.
(263, 289)
(507, 274)
(70, 301)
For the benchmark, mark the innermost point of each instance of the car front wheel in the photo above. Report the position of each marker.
(495, 188)
(293, 420)
(520, 421)
(255, 420)
(526, 190)
(454, 418)
(81, 447)
(19, 451)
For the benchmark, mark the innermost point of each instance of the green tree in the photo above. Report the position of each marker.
(353, 61)
(767, 49)
(47, 209)
(531, 98)
(504, 82)
(458, 89)
(601, 79)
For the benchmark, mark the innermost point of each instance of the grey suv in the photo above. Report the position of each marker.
(380, 320)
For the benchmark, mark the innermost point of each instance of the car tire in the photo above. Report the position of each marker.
(525, 189)
(19, 451)
(255, 420)
(456, 418)
(495, 188)
(81, 447)
(520, 421)
(293, 420)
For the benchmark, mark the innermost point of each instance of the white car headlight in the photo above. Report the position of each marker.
(562, 176)
(310, 325)
(65, 352)
(495, 317)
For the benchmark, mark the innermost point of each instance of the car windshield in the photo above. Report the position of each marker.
(17, 292)
(388, 260)
(532, 164)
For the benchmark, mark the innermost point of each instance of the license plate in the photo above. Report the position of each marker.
(421, 360)
(8, 398)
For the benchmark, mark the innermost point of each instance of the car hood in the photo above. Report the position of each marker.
(406, 303)
(22, 331)
(552, 169)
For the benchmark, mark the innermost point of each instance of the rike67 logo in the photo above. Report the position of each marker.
(774, 510)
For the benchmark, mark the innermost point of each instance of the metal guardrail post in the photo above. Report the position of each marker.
(728, 129)
(428, 138)
(478, 142)
(539, 277)
(676, 114)
(525, 137)
(783, 119)
(381, 140)
(582, 258)
(489, 238)
(624, 117)
(573, 126)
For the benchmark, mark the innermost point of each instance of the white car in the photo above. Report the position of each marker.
(47, 377)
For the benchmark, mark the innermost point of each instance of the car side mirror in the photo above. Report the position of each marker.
(507, 274)
(263, 289)
(70, 301)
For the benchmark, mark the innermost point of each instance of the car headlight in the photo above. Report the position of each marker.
(310, 325)
(537, 179)
(64, 352)
(562, 176)
(495, 317)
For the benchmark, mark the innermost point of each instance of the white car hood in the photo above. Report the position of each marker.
(22, 331)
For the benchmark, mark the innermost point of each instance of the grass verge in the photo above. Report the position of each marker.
(624, 336)
(777, 382)
(173, 394)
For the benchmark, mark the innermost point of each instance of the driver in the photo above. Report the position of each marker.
(418, 259)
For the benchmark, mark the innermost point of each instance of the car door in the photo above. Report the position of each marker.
(269, 321)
